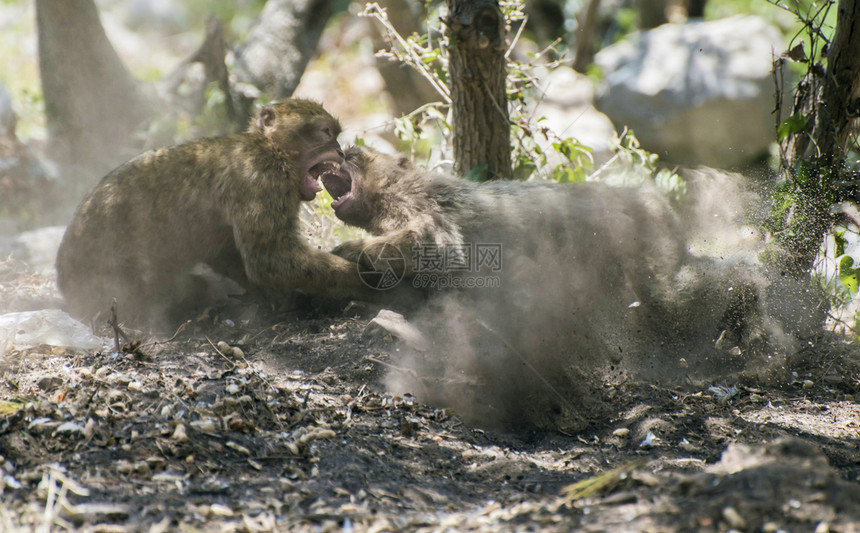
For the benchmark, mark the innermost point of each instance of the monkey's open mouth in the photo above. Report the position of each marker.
(338, 184)
(328, 162)
(308, 189)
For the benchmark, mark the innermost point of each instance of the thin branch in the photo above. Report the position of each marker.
(373, 10)
(516, 37)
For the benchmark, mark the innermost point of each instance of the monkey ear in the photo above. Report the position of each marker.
(404, 162)
(266, 118)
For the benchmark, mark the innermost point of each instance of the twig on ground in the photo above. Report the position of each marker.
(219, 352)
(393, 367)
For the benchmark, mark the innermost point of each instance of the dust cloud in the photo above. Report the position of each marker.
(604, 285)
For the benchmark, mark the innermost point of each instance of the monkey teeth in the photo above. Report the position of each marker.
(315, 173)
(335, 179)
(338, 184)
(322, 168)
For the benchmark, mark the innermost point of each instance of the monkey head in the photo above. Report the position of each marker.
(361, 187)
(306, 134)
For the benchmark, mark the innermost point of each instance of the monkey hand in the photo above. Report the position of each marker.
(374, 253)
(354, 251)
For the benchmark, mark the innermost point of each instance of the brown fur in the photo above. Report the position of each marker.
(584, 224)
(591, 276)
(587, 247)
(231, 202)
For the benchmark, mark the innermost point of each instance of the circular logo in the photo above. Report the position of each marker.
(381, 268)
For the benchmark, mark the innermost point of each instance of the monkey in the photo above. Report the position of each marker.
(231, 202)
(626, 244)
(590, 277)
(421, 212)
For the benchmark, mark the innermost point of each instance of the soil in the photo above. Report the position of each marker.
(295, 431)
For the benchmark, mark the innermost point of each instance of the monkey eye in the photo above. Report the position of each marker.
(327, 132)
(319, 131)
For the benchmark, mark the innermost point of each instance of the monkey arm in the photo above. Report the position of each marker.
(324, 274)
(275, 257)
(366, 251)
(421, 245)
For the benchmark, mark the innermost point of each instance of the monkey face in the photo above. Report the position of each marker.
(308, 134)
(361, 182)
(343, 186)
(351, 189)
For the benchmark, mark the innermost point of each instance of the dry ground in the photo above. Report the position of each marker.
(296, 432)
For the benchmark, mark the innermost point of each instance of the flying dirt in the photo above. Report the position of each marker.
(558, 288)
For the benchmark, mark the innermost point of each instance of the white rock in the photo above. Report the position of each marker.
(695, 93)
(395, 324)
(53, 327)
(179, 433)
(566, 103)
(69, 428)
(206, 425)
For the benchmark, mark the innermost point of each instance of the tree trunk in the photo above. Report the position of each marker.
(92, 102)
(279, 46)
(585, 29)
(842, 90)
(696, 9)
(183, 91)
(652, 13)
(812, 159)
(477, 71)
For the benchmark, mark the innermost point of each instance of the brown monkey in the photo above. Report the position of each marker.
(231, 202)
(557, 242)
(547, 273)
(425, 213)
(589, 276)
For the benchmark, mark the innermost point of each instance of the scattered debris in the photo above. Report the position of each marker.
(723, 393)
(399, 327)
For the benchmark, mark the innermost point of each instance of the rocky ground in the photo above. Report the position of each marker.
(253, 421)
(260, 422)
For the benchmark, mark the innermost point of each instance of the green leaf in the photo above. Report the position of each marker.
(841, 243)
(523, 168)
(793, 124)
(433, 113)
(594, 72)
(572, 150)
(404, 128)
(10, 407)
(566, 174)
(673, 185)
(856, 327)
(804, 171)
(848, 275)
(478, 173)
